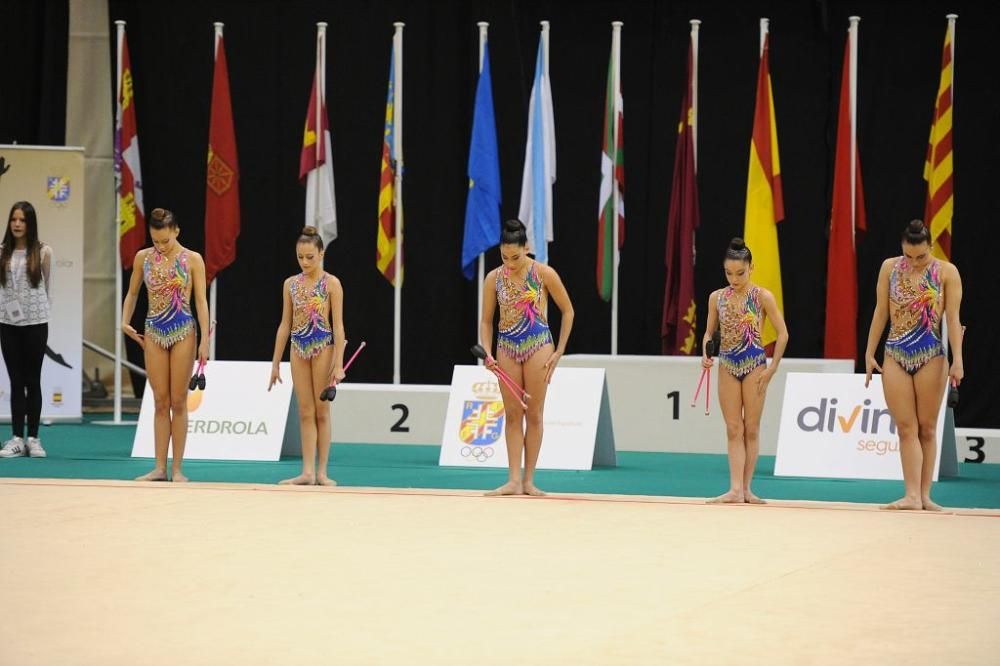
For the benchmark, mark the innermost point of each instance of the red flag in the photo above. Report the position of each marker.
(847, 223)
(132, 217)
(679, 311)
(222, 194)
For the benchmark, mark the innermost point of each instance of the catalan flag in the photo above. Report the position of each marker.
(385, 249)
(764, 206)
(939, 167)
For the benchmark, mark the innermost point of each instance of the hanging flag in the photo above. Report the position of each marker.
(847, 224)
(539, 161)
(612, 179)
(679, 326)
(385, 244)
(764, 207)
(222, 194)
(316, 159)
(132, 225)
(482, 207)
(939, 167)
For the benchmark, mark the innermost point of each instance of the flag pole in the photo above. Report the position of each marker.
(952, 18)
(616, 47)
(213, 288)
(695, 27)
(852, 77)
(483, 29)
(763, 34)
(117, 419)
(320, 121)
(397, 153)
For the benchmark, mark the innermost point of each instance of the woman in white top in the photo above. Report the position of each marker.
(24, 324)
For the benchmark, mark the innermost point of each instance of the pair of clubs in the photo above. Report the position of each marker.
(711, 349)
(479, 352)
(330, 392)
(198, 378)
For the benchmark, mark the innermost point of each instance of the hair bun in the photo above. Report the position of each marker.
(159, 213)
(513, 225)
(309, 231)
(915, 226)
(737, 244)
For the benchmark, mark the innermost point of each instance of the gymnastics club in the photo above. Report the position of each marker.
(706, 373)
(330, 392)
(479, 352)
(198, 379)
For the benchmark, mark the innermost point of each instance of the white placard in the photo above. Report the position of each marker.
(832, 426)
(578, 430)
(51, 179)
(234, 418)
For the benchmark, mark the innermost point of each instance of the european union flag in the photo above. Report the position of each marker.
(482, 207)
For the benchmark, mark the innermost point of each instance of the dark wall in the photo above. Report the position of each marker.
(270, 47)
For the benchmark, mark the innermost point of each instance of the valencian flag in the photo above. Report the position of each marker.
(679, 313)
(939, 167)
(482, 207)
(764, 207)
(316, 158)
(847, 222)
(385, 243)
(222, 194)
(612, 180)
(132, 225)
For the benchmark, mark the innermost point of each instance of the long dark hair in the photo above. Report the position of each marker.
(34, 247)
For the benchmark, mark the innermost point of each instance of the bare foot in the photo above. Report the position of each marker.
(930, 505)
(750, 498)
(325, 481)
(300, 480)
(178, 477)
(155, 475)
(509, 488)
(531, 489)
(905, 504)
(732, 497)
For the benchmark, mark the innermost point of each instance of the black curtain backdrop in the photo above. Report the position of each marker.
(270, 46)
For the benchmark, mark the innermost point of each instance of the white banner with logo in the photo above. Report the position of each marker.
(832, 426)
(51, 179)
(578, 431)
(234, 418)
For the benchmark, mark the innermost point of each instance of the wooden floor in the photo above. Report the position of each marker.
(122, 573)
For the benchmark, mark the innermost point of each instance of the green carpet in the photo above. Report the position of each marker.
(88, 451)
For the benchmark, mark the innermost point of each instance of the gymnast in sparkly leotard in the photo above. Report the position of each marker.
(740, 312)
(520, 289)
(313, 317)
(917, 292)
(172, 275)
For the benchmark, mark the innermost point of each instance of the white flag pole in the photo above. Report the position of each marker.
(852, 78)
(320, 120)
(763, 34)
(695, 27)
(616, 46)
(952, 18)
(397, 153)
(117, 419)
(213, 288)
(483, 29)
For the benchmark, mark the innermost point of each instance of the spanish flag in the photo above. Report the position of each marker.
(938, 169)
(764, 208)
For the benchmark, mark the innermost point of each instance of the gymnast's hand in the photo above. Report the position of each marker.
(764, 379)
(203, 351)
(956, 373)
(132, 333)
(275, 376)
(337, 375)
(870, 365)
(550, 365)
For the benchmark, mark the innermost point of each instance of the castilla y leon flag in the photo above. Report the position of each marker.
(132, 217)
(764, 206)
(678, 328)
(847, 224)
(316, 158)
(385, 242)
(222, 192)
(939, 167)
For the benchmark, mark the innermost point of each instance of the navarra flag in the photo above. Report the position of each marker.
(385, 243)
(764, 207)
(316, 162)
(939, 167)
(612, 179)
(482, 207)
(132, 225)
(679, 327)
(847, 225)
(222, 192)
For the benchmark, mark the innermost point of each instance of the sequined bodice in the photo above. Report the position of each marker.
(915, 301)
(740, 319)
(168, 283)
(309, 304)
(520, 301)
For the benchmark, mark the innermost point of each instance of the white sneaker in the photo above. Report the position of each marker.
(35, 449)
(13, 448)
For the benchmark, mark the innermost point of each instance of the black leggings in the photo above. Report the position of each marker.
(23, 352)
